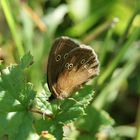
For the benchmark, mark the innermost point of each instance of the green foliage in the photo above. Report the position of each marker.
(112, 27)
(93, 123)
(16, 97)
(63, 112)
(17, 101)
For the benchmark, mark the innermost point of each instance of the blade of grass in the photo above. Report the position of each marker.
(115, 83)
(118, 58)
(138, 123)
(12, 25)
(124, 36)
(115, 62)
(106, 45)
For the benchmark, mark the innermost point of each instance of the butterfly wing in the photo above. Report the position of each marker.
(80, 65)
(59, 51)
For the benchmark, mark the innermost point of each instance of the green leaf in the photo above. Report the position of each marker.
(70, 115)
(85, 95)
(73, 108)
(26, 60)
(16, 125)
(51, 126)
(12, 81)
(26, 129)
(27, 94)
(90, 124)
(13, 84)
(16, 96)
(8, 103)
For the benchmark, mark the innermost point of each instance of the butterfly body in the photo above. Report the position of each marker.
(69, 66)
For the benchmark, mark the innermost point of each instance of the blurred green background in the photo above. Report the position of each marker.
(111, 27)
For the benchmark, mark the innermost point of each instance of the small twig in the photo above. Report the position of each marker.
(95, 33)
(42, 113)
(35, 18)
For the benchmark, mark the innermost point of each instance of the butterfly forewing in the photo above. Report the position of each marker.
(59, 52)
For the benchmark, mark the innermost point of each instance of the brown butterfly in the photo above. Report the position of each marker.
(69, 66)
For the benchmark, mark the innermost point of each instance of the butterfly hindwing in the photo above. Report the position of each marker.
(80, 65)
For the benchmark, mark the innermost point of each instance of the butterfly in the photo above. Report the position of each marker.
(70, 65)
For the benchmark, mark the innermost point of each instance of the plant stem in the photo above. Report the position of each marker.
(41, 113)
(12, 26)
